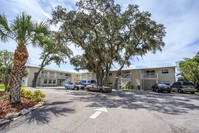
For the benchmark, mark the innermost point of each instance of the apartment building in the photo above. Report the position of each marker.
(48, 77)
(143, 78)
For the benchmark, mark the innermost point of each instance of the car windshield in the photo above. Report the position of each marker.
(162, 85)
(188, 84)
(77, 83)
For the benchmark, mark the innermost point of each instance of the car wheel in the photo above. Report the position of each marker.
(100, 90)
(192, 92)
(66, 88)
(157, 90)
(169, 91)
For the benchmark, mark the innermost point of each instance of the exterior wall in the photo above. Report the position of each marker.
(161, 78)
(54, 78)
(88, 76)
(111, 78)
(28, 80)
(166, 77)
(136, 79)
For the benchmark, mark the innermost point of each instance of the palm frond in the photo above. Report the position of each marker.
(22, 27)
(4, 28)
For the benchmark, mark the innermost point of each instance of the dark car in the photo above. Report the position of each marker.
(161, 88)
(182, 86)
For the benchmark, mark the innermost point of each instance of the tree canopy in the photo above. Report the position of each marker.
(6, 60)
(107, 35)
(189, 69)
(52, 51)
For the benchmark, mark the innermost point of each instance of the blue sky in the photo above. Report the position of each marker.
(180, 17)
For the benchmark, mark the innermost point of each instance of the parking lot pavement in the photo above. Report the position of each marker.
(69, 111)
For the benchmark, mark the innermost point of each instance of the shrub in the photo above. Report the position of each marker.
(128, 86)
(37, 96)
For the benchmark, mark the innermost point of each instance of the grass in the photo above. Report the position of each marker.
(197, 93)
(2, 87)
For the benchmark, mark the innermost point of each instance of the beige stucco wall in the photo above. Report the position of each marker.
(40, 81)
(135, 78)
(77, 77)
(166, 77)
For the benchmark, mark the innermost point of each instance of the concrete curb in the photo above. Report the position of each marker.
(13, 116)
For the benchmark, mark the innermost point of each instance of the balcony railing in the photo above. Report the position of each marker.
(149, 76)
(53, 76)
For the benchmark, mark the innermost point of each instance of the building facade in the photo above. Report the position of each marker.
(48, 77)
(142, 78)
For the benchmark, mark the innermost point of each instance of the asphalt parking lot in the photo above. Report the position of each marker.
(69, 111)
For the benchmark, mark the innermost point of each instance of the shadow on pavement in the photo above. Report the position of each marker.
(42, 115)
(173, 104)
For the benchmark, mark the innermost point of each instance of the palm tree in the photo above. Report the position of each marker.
(24, 31)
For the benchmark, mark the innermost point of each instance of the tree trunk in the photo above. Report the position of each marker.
(117, 77)
(20, 59)
(34, 82)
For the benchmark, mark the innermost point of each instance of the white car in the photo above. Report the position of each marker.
(73, 86)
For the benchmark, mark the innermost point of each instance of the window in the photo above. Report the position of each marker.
(110, 83)
(54, 81)
(110, 74)
(49, 81)
(45, 81)
(165, 71)
(166, 82)
(150, 72)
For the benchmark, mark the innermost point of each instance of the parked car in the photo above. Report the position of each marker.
(161, 88)
(87, 82)
(182, 86)
(73, 86)
(94, 87)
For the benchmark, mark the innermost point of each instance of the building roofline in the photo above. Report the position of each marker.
(28, 66)
(145, 68)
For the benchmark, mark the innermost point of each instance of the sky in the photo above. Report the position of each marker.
(180, 17)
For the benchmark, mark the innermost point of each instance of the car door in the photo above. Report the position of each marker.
(70, 86)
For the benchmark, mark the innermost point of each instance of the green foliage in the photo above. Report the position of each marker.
(128, 86)
(189, 70)
(107, 35)
(36, 96)
(26, 93)
(53, 51)
(6, 59)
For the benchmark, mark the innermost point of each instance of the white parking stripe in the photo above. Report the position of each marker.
(95, 115)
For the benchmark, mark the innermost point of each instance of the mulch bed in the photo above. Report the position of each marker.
(6, 107)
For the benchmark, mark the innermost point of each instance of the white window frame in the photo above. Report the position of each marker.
(165, 71)
(46, 81)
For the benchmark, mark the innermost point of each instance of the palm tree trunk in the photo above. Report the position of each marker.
(20, 59)
(34, 82)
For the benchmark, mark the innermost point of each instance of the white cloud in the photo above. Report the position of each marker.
(180, 18)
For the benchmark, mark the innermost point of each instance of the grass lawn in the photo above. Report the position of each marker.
(197, 93)
(2, 87)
